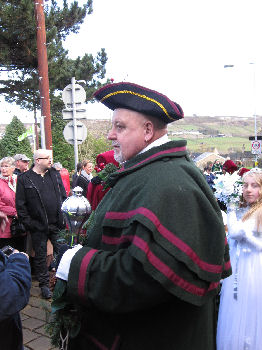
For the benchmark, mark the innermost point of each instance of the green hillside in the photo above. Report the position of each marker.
(226, 134)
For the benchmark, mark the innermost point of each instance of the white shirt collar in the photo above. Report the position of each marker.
(158, 142)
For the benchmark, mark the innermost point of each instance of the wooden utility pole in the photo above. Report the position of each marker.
(43, 71)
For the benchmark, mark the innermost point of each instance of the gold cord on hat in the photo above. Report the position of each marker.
(139, 95)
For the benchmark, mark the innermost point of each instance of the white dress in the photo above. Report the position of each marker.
(240, 311)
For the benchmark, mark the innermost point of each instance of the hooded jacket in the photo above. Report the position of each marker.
(15, 283)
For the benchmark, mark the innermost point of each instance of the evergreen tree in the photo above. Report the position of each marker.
(10, 145)
(18, 53)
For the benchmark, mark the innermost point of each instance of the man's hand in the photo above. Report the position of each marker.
(17, 251)
(64, 265)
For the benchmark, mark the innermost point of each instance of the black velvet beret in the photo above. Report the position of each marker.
(140, 99)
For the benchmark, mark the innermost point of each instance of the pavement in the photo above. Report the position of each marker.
(34, 318)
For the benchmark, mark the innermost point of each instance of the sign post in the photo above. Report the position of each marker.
(256, 147)
(81, 132)
(256, 142)
(74, 96)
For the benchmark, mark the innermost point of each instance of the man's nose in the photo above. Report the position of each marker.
(111, 135)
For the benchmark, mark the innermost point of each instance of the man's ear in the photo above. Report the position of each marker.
(148, 130)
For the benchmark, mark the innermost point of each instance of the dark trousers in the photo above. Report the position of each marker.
(39, 242)
(11, 333)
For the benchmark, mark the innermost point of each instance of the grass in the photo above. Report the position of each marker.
(237, 131)
(222, 144)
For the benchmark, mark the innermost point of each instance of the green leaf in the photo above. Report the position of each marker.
(75, 329)
(60, 289)
(58, 305)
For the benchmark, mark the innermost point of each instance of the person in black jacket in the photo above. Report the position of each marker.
(76, 174)
(21, 163)
(86, 175)
(15, 282)
(39, 197)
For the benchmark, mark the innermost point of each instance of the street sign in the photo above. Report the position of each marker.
(256, 147)
(74, 97)
(80, 113)
(81, 132)
(251, 138)
(80, 94)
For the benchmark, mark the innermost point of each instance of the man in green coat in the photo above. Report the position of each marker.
(148, 277)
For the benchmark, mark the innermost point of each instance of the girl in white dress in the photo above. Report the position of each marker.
(240, 311)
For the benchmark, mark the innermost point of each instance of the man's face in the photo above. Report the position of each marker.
(127, 134)
(44, 162)
(22, 165)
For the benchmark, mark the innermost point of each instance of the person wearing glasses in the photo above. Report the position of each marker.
(40, 194)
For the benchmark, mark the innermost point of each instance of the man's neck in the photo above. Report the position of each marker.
(39, 171)
(158, 142)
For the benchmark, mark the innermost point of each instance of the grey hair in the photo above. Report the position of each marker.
(40, 152)
(9, 160)
(57, 165)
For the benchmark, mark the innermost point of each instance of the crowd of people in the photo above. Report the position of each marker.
(212, 169)
(158, 250)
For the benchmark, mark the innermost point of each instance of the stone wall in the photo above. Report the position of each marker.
(97, 127)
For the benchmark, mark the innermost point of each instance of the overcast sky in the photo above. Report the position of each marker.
(180, 47)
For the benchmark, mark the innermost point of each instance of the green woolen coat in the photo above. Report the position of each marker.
(150, 273)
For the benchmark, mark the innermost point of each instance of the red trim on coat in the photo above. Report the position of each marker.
(170, 150)
(227, 265)
(170, 236)
(97, 342)
(117, 240)
(82, 273)
(169, 273)
(101, 346)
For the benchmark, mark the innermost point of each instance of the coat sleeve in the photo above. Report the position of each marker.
(15, 281)
(61, 187)
(7, 209)
(113, 282)
(21, 207)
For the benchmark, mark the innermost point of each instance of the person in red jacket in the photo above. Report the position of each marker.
(64, 175)
(7, 204)
(95, 189)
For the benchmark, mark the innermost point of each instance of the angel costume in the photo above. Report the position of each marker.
(240, 316)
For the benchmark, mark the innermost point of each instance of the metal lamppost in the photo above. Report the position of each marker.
(254, 104)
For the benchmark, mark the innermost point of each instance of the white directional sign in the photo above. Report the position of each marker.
(256, 147)
(80, 94)
(79, 113)
(81, 132)
(74, 97)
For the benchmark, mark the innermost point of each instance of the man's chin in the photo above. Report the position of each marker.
(118, 157)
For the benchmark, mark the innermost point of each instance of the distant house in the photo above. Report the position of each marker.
(202, 160)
